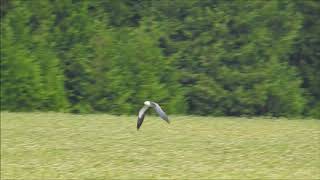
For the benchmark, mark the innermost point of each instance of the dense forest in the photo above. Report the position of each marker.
(202, 57)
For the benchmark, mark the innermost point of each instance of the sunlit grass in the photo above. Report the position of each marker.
(64, 146)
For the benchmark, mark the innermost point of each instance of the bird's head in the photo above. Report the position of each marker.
(147, 103)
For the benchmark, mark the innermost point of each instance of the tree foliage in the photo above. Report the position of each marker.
(197, 57)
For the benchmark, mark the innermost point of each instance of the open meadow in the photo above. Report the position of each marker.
(65, 146)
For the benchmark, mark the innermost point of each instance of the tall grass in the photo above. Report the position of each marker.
(65, 146)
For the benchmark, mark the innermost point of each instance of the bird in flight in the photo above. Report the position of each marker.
(144, 109)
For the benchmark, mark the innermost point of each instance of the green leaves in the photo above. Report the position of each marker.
(197, 56)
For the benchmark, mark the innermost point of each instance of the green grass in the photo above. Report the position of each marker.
(65, 146)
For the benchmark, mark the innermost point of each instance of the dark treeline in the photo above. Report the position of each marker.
(204, 57)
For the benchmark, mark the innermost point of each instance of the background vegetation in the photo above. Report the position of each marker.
(205, 57)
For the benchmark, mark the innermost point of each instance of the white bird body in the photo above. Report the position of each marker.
(147, 103)
(144, 109)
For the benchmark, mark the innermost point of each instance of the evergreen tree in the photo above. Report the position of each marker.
(21, 85)
(198, 56)
(305, 55)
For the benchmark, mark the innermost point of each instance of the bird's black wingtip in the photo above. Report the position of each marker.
(138, 127)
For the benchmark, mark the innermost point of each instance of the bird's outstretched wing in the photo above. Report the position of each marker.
(141, 115)
(160, 112)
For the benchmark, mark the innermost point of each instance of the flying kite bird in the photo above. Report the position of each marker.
(144, 109)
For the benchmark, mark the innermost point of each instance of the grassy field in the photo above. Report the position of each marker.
(65, 146)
